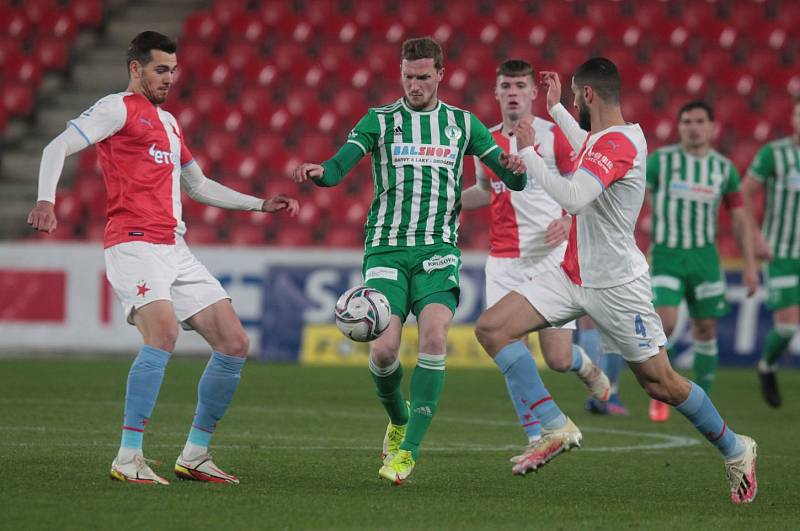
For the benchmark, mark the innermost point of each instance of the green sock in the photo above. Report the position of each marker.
(426, 386)
(387, 387)
(705, 363)
(777, 340)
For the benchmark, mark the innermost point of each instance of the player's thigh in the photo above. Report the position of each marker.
(435, 277)
(706, 286)
(512, 317)
(782, 279)
(553, 296)
(387, 271)
(140, 273)
(500, 278)
(195, 288)
(221, 328)
(434, 321)
(625, 316)
(157, 325)
(669, 317)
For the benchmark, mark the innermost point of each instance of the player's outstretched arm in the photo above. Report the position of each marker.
(204, 190)
(571, 194)
(560, 114)
(332, 171)
(43, 216)
(509, 168)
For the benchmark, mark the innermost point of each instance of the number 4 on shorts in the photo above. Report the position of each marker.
(638, 326)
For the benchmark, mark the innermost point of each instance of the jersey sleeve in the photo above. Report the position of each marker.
(366, 132)
(763, 165)
(186, 154)
(563, 152)
(481, 141)
(732, 196)
(101, 120)
(610, 158)
(480, 174)
(653, 170)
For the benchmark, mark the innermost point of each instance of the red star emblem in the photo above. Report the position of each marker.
(142, 289)
(528, 416)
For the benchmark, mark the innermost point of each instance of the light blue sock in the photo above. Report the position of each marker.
(214, 393)
(144, 382)
(705, 417)
(589, 340)
(522, 376)
(577, 358)
(530, 424)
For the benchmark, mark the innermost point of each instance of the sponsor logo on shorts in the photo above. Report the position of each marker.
(389, 273)
(423, 155)
(439, 262)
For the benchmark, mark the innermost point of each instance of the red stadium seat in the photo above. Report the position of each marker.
(3, 119)
(213, 72)
(347, 236)
(52, 53)
(747, 16)
(248, 27)
(242, 185)
(68, 209)
(339, 29)
(479, 61)
(303, 101)
(9, 46)
(310, 214)
(602, 13)
(752, 126)
(274, 11)
(289, 235)
(227, 10)
(292, 58)
(507, 14)
(206, 98)
(36, 10)
(193, 51)
(665, 61)
(777, 110)
(18, 99)
(220, 143)
(783, 81)
(696, 15)
(201, 26)
(188, 117)
(625, 32)
(481, 31)
(87, 13)
(255, 102)
(296, 30)
(670, 33)
(718, 33)
(58, 24)
(728, 108)
(228, 118)
(22, 68)
(315, 146)
(265, 145)
(239, 54)
(13, 23)
(761, 61)
(262, 74)
(200, 233)
(554, 13)
(383, 58)
(247, 235)
(635, 105)
(387, 29)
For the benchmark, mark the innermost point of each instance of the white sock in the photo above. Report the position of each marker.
(125, 455)
(192, 451)
(587, 364)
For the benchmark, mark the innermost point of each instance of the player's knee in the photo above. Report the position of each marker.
(163, 339)
(560, 363)
(704, 330)
(236, 345)
(433, 341)
(384, 354)
(489, 333)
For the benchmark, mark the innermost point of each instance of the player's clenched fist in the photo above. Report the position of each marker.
(306, 171)
(43, 217)
(512, 163)
(281, 202)
(553, 83)
(526, 136)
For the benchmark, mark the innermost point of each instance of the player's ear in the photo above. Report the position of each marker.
(440, 75)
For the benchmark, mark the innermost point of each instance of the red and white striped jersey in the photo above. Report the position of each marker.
(141, 151)
(520, 219)
(601, 249)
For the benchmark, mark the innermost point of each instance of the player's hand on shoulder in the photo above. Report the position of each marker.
(43, 217)
(553, 84)
(306, 171)
(281, 202)
(512, 163)
(526, 136)
(558, 231)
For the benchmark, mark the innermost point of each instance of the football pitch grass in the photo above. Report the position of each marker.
(305, 443)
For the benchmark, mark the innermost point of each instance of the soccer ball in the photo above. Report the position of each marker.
(362, 313)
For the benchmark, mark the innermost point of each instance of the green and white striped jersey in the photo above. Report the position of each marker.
(777, 166)
(417, 163)
(687, 191)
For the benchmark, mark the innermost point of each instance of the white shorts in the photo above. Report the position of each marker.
(142, 272)
(624, 315)
(504, 275)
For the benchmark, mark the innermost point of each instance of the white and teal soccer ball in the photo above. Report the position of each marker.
(362, 313)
